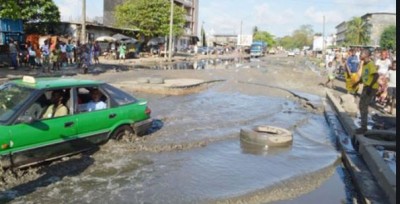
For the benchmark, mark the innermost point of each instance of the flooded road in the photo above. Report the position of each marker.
(193, 155)
(196, 156)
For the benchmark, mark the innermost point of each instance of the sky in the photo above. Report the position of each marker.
(278, 17)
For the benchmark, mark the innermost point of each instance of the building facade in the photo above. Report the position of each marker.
(341, 33)
(377, 23)
(190, 29)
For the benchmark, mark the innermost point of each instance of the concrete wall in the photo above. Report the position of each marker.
(379, 22)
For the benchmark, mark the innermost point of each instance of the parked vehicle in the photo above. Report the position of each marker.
(205, 50)
(290, 53)
(258, 49)
(33, 129)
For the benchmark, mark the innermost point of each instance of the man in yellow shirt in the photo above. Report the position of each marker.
(369, 78)
(57, 108)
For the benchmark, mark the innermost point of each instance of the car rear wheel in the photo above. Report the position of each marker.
(122, 132)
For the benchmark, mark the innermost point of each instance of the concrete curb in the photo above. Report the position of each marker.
(370, 174)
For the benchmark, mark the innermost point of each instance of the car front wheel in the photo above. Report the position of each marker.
(122, 132)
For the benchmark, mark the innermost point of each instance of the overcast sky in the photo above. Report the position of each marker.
(279, 17)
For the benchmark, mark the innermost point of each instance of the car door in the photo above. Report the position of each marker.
(94, 125)
(42, 138)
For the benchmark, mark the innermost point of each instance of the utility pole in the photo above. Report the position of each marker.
(241, 47)
(171, 21)
(83, 34)
(323, 37)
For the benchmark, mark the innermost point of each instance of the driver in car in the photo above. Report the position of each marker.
(57, 108)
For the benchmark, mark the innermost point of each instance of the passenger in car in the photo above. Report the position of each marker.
(57, 107)
(96, 103)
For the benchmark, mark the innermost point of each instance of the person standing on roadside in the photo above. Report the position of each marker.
(369, 78)
(63, 53)
(96, 52)
(45, 49)
(70, 52)
(122, 52)
(351, 76)
(391, 76)
(383, 64)
(13, 50)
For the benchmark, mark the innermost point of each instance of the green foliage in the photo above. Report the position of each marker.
(150, 16)
(255, 30)
(388, 38)
(264, 36)
(357, 32)
(30, 11)
(299, 38)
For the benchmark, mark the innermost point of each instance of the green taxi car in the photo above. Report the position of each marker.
(47, 118)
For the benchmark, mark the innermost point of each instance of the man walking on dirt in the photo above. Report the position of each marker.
(369, 78)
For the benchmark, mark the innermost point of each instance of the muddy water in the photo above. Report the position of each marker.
(194, 155)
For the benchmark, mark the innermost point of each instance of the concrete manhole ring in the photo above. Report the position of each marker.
(156, 80)
(143, 80)
(265, 135)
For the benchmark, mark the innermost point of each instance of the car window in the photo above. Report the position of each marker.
(120, 97)
(52, 104)
(12, 98)
(91, 99)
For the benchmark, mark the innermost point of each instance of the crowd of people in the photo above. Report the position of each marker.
(50, 56)
(376, 71)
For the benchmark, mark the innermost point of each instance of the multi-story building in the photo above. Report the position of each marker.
(190, 29)
(377, 23)
(341, 33)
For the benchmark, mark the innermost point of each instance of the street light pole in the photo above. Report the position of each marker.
(171, 21)
(323, 36)
(83, 34)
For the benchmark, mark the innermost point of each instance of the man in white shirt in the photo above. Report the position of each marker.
(383, 63)
(391, 75)
(95, 103)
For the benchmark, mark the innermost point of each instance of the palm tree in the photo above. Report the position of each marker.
(357, 32)
(203, 36)
(255, 30)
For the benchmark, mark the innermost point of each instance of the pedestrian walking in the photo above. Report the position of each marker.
(331, 72)
(369, 78)
(13, 51)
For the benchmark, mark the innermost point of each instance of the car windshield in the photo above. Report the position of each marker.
(12, 97)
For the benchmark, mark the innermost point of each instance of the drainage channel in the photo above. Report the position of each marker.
(367, 186)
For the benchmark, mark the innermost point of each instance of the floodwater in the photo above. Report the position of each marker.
(194, 155)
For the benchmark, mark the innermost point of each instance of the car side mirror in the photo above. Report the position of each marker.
(26, 119)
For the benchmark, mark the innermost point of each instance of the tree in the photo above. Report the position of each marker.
(357, 32)
(30, 11)
(303, 36)
(388, 38)
(265, 37)
(150, 16)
